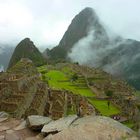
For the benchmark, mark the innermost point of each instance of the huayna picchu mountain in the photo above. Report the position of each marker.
(88, 42)
(79, 28)
(26, 49)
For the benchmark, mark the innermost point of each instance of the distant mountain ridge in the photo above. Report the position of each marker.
(26, 49)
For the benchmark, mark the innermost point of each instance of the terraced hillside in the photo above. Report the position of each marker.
(63, 89)
(23, 93)
(109, 96)
(18, 87)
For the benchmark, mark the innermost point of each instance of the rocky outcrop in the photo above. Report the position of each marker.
(59, 125)
(97, 128)
(4, 114)
(15, 129)
(37, 122)
(67, 128)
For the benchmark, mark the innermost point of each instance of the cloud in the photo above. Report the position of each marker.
(45, 22)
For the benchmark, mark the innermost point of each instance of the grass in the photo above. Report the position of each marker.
(42, 69)
(137, 93)
(102, 107)
(129, 124)
(60, 79)
(71, 110)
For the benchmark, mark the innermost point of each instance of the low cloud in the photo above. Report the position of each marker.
(113, 57)
(1, 68)
(45, 22)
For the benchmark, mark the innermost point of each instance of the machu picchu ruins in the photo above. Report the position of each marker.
(84, 85)
(24, 95)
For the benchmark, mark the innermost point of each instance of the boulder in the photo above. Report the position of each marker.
(4, 128)
(4, 114)
(49, 137)
(133, 138)
(59, 125)
(12, 136)
(36, 122)
(94, 128)
(32, 138)
(2, 137)
(3, 119)
(21, 126)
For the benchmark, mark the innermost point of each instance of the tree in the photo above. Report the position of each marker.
(109, 93)
(74, 77)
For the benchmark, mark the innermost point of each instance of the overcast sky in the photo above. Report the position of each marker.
(45, 21)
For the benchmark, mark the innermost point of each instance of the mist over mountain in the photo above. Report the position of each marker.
(80, 27)
(87, 41)
(5, 55)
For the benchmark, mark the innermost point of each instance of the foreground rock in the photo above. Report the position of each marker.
(4, 114)
(3, 119)
(94, 128)
(59, 125)
(21, 126)
(12, 136)
(36, 122)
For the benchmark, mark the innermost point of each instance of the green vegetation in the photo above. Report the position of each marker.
(109, 93)
(137, 93)
(102, 107)
(74, 77)
(129, 124)
(58, 80)
(66, 79)
(71, 110)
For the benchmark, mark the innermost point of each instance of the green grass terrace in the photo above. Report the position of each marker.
(61, 80)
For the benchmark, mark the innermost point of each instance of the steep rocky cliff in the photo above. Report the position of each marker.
(86, 22)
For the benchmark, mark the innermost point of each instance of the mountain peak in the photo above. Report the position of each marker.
(82, 24)
(26, 39)
(26, 49)
(27, 42)
(88, 9)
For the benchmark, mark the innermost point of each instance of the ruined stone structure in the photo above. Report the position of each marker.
(100, 82)
(23, 94)
(15, 90)
(63, 103)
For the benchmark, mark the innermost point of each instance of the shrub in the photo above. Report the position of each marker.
(74, 77)
(109, 93)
